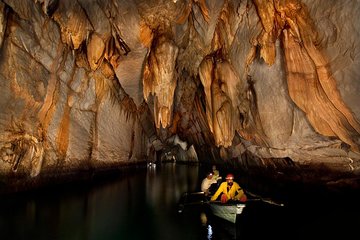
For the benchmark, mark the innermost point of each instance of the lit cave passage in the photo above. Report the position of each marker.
(267, 87)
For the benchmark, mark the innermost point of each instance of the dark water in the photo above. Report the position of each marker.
(143, 205)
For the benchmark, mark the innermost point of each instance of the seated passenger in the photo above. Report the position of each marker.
(207, 182)
(216, 173)
(229, 190)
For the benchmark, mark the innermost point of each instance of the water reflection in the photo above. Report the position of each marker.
(143, 205)
(166, 184)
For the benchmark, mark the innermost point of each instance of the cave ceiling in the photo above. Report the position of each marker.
(92, 83)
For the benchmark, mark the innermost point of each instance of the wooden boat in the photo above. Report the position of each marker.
(226, 211)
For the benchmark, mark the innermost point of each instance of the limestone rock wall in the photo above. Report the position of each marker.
(87, 84)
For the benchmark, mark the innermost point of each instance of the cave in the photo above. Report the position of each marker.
(266, 88)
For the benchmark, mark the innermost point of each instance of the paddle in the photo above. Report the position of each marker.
(259, 198)
(199, 198)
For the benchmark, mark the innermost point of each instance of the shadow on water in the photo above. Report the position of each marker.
(143, 205)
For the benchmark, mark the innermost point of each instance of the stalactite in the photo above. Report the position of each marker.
(112, 81)
(206, 77)
(73, 23)
(320, 98)
(311, 84)
(95, 51)
(159, 79)
(3, 22)
(219, 80)
(266, 39)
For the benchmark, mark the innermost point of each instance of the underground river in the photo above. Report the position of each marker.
(143, 204)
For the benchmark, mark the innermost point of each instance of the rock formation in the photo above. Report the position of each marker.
(260, 84)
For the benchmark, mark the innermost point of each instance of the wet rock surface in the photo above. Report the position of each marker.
(271, 84)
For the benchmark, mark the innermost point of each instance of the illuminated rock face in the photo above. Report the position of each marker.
(92, 84)
(219, 81)
(159, 79)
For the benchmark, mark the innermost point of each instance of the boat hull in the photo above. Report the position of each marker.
(227, 211)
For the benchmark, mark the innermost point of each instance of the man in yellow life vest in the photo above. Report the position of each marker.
(229, 190)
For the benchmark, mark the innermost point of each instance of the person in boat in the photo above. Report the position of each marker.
(207, 182)
(217, 177)
(229, 190)
(216, 173)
